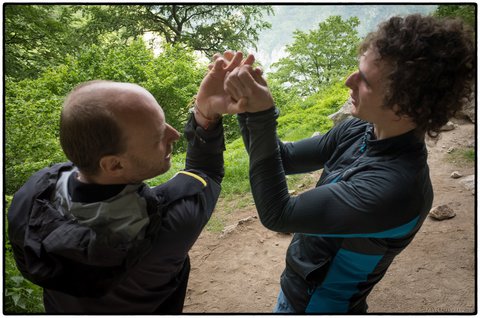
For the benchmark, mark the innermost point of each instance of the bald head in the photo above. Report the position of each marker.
(92, 119)
(114, 96)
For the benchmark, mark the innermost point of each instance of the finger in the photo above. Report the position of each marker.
(218, 64)
(226, 81)
(228, 55)
(246, 81)
(237, 58)
(232, 85)
(249, 60)
(257, 76)
(237, 107)
(216, 56)
(246, 77)
(242, 105)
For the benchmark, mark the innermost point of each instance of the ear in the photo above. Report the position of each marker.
(396, 117)
(111, 166)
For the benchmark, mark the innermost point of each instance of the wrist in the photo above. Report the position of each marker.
(262, 108)
(203, 118)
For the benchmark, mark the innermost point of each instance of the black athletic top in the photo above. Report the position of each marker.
(370, 201)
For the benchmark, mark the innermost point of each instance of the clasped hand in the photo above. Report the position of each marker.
(233, 86)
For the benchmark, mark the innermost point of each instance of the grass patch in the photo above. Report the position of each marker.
(216, 224)
(462, 156)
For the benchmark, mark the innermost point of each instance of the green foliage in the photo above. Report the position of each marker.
(284, 99)
(319, 57)
(311, 115)
(466, 12)
(205, 28)
(31, 130)
(236, 169)
(21, 296)
(41, 36)
(173, 78)
(37, 37)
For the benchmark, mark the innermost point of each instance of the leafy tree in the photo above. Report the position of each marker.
(205, 28)
(319, 57)
(36, 37)
(466, 12)
(40, 36)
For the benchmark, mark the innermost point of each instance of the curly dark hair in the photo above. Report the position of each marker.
(433, 69)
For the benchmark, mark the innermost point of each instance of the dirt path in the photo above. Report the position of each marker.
(238, 271)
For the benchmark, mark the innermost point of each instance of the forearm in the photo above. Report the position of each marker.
(205, 149)
(267, 176)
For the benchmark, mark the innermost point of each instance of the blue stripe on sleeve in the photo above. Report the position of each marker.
(397, 232)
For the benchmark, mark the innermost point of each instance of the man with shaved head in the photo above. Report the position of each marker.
(90, 231)
(101, 120)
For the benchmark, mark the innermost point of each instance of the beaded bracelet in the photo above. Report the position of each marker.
(209, 121)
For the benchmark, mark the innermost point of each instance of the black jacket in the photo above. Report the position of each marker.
(370, 201)
(80, 267)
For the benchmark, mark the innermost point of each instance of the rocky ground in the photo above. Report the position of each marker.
(238, 270)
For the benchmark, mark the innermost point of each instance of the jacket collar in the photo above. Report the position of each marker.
(89, 193)
(407, 142)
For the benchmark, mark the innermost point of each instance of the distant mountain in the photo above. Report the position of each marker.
(289, 17)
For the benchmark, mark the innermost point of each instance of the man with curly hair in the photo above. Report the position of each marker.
(375, 190)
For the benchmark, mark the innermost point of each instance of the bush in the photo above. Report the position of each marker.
(311, 115)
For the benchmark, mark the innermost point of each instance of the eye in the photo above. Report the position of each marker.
(363, 78)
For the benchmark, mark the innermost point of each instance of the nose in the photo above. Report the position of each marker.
(351, 80)
(173, 134)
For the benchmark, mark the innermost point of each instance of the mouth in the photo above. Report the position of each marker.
(169, 155)
(354, 101)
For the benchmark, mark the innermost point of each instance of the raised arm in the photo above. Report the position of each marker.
(360, 206)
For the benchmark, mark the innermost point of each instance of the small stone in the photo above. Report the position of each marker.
(456, 175)
(448, 126)
(450, 150)
(247, 220)
(468, 182)
(442, 212)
